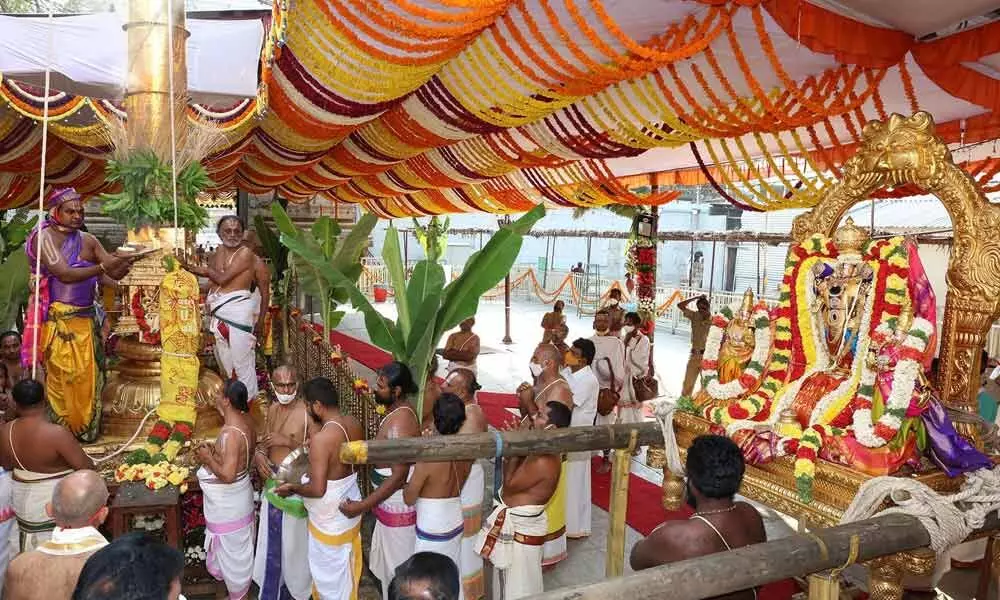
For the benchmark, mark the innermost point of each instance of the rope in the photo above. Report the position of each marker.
(947, 519)
(130, 440)
(173, 108)
(989, 433)
(664, 410)
(41, 195)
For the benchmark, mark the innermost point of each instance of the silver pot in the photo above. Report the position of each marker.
(295, 465)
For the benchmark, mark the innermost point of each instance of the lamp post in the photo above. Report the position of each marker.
(506, 293)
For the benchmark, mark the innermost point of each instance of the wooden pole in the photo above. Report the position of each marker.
(506, 297)
(509, 443)
(753, 566)
(545, 274)
(617, 505)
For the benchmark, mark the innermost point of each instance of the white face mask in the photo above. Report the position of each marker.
(628, 329)
(536, 369)
(285, 398)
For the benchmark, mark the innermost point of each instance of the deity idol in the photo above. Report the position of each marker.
(736, 351)
(853, 335)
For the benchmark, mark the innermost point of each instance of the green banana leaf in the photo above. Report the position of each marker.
(393, 258)
(326, 231)
(381, 330)
(13, 287)
(424, 292)
(355, 243)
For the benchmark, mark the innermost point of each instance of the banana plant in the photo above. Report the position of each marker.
(433, 237)
(426, 307)
(309, 250)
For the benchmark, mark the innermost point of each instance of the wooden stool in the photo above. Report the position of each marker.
(135, 498)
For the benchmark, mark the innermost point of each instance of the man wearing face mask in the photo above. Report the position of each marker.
(281, 568)
(395, 532)
(550, 386)
(609, 366)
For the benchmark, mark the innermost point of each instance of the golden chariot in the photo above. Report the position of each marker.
(893, 153)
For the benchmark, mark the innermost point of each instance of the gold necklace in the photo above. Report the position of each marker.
(716, 512)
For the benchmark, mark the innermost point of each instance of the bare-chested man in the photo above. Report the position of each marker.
(224, 478)
(72, 264)
(282, 530)
(462, 383)
(10, 356)
(435, 489)
(395, 533)
(79, 507)
(334, 538)
(231, 270)
(519, 523)
(40, 454)
(462, 347)
(714, 469)
(550, 386)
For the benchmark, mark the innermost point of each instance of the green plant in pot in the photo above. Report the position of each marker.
(426, 307)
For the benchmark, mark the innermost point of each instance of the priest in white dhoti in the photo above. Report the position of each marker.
(234, 312)
(224, 478)
(435, 489)
(472, 515)
(583, 382)
(513, 535)
(395, 522)
(335, 556)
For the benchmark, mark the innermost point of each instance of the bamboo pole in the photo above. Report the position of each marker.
(508, 443)
(617, 506)
(753, 566)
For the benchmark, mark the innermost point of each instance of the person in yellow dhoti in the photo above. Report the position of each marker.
(64, 313)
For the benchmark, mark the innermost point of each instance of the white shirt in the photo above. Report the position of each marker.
(611, 347)
(585, 389)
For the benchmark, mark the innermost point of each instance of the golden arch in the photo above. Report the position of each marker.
(907, 150)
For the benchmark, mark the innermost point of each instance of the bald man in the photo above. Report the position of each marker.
(550, 386)
(78, 507)
(281, 568)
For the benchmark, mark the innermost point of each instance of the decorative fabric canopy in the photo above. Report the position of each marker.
(413, 107)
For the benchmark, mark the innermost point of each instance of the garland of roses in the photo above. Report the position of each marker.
(645, 278)
(147, 334)
(891, 264)
(760, 320)
(905, 375)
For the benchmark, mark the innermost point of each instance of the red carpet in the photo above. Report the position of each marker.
(368, 355)
(645, 510)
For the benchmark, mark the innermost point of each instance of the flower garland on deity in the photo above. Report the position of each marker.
(847, 409)
(760, 320)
